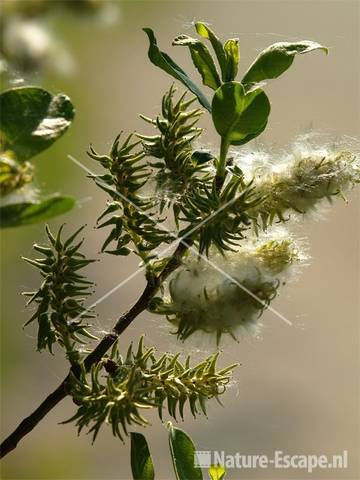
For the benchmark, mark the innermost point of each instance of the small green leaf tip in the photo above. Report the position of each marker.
(204, 31)
(228, 55)
(217, 472)
(202, 60)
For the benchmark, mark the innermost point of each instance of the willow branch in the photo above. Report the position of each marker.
(30, 422)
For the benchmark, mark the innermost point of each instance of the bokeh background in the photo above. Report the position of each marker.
(297, 389)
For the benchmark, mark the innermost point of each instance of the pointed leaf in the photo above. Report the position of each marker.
(276, 59)
(163, 61)
(205, 32)
(182, 452)
(32, 119)
(238, 116)
(217, 472)
(141, 462)
(199, 157)
(26, 213)
(202, 60)
(232, 53)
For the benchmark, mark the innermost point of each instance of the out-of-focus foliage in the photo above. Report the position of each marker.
(31, 46)
(26, 213)
(32, 119)
(31, 8)
(13, 175)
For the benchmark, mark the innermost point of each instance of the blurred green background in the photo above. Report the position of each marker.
(297, 389)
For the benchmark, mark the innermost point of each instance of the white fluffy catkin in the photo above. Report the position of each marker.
(301, 179)
(204, 299)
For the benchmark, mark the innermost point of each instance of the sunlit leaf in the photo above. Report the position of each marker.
(141, 462)
(202, 60)
(182, 452)
(232, 53)
(276, 59)
(32, 119)
(239, 116)
(26, 213)
(205, 32)
(163, 61)
(217, 472)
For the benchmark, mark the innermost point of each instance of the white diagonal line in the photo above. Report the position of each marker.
(181, 239)
(226, 275)
(110, 292)
(209, 217)
(160, 225)
(113, 290)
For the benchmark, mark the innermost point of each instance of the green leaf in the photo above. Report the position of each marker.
(276, 59)
(26, 213)
(182, 452)
(205, 32)
(32, 119)
(251, 136)
(232, 53)
(163, 61)
(199, 157)
(217, 472)
(202, 60)
(239, 116)
(141, 462)
(124, 251)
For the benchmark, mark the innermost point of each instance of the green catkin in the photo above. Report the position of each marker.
(118, 390)
(179, 167)
(60, 311)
